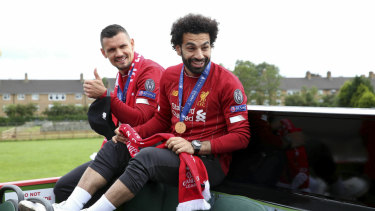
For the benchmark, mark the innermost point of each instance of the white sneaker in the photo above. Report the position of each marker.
(25, 205)
(59, 206)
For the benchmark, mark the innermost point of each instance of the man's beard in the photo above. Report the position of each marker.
(125, 69)
(192, 69)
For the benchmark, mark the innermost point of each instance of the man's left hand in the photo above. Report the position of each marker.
(94, 88)
(178, 145)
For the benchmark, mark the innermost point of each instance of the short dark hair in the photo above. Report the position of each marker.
(196, 24)
(111, 31)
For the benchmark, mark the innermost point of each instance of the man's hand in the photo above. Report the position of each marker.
(178, 145)
(94, 88)
(119, 137)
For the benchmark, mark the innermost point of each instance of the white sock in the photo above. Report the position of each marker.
(103, 204)
(77, 199)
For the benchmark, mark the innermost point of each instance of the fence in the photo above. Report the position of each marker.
(14, 134)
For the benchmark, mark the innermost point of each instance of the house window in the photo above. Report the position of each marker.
(6, 96)
(333, 91)
(253, 102)
(278, 93)
(253, 92)
(50, 106)
(266, 102)
(278, 102)
(37, 107)
(56, 97)
(35, 96)
(266, 94)
(78, 105)
(320, 92)
(292, 92)
(78, 96)
(20, 96)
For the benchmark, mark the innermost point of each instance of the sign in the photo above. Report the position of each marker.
(46, 193)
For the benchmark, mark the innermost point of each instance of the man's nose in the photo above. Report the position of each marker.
(199, 54)
(118, 52)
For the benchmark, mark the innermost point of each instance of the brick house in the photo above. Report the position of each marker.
(42, 92)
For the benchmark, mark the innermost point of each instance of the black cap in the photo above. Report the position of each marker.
(100, 117)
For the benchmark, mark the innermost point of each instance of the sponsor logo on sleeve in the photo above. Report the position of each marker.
(238, 97)
(150, 85)
(147, 94)
(238, 108)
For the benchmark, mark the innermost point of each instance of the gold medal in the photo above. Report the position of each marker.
(180, 127)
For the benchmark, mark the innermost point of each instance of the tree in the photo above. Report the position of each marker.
(307, 97)
(352, 90)
(260, 81)
(329, 100)
(66, 112)
(367, 100)
(294, 100)
(269, 81)
(20, 111)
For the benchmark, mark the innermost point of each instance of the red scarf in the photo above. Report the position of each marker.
(130, 94)
(194, 188)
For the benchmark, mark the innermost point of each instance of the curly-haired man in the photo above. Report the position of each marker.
(210, 123)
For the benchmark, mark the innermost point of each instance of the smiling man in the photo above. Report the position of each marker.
(134, 100)
(202, 104)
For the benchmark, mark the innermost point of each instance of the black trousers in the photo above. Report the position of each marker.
(113, 161)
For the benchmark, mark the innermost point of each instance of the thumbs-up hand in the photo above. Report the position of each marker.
(97, 77)
(94, 88)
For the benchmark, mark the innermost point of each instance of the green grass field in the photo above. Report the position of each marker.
(23, 160)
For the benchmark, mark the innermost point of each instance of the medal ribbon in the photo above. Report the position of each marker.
(121, 94)
(193, 95)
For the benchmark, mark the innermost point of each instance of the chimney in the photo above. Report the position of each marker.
(371, 75)
(26, 78)
(81, 77)
(308, 75)
(329, 75)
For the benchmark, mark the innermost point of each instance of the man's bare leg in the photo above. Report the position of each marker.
(116, 195)
(91, 181)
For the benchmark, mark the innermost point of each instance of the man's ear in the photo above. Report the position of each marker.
(132, 43)
(103, 52)
(178, 50)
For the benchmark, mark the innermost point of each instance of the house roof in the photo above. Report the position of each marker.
(40, 86)
(318, 82)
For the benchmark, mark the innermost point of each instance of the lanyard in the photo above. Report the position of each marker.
(122, 94)
(193, 95)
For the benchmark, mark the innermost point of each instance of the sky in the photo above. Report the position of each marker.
(50, 39)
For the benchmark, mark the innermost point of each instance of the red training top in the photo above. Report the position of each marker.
(219, 113)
